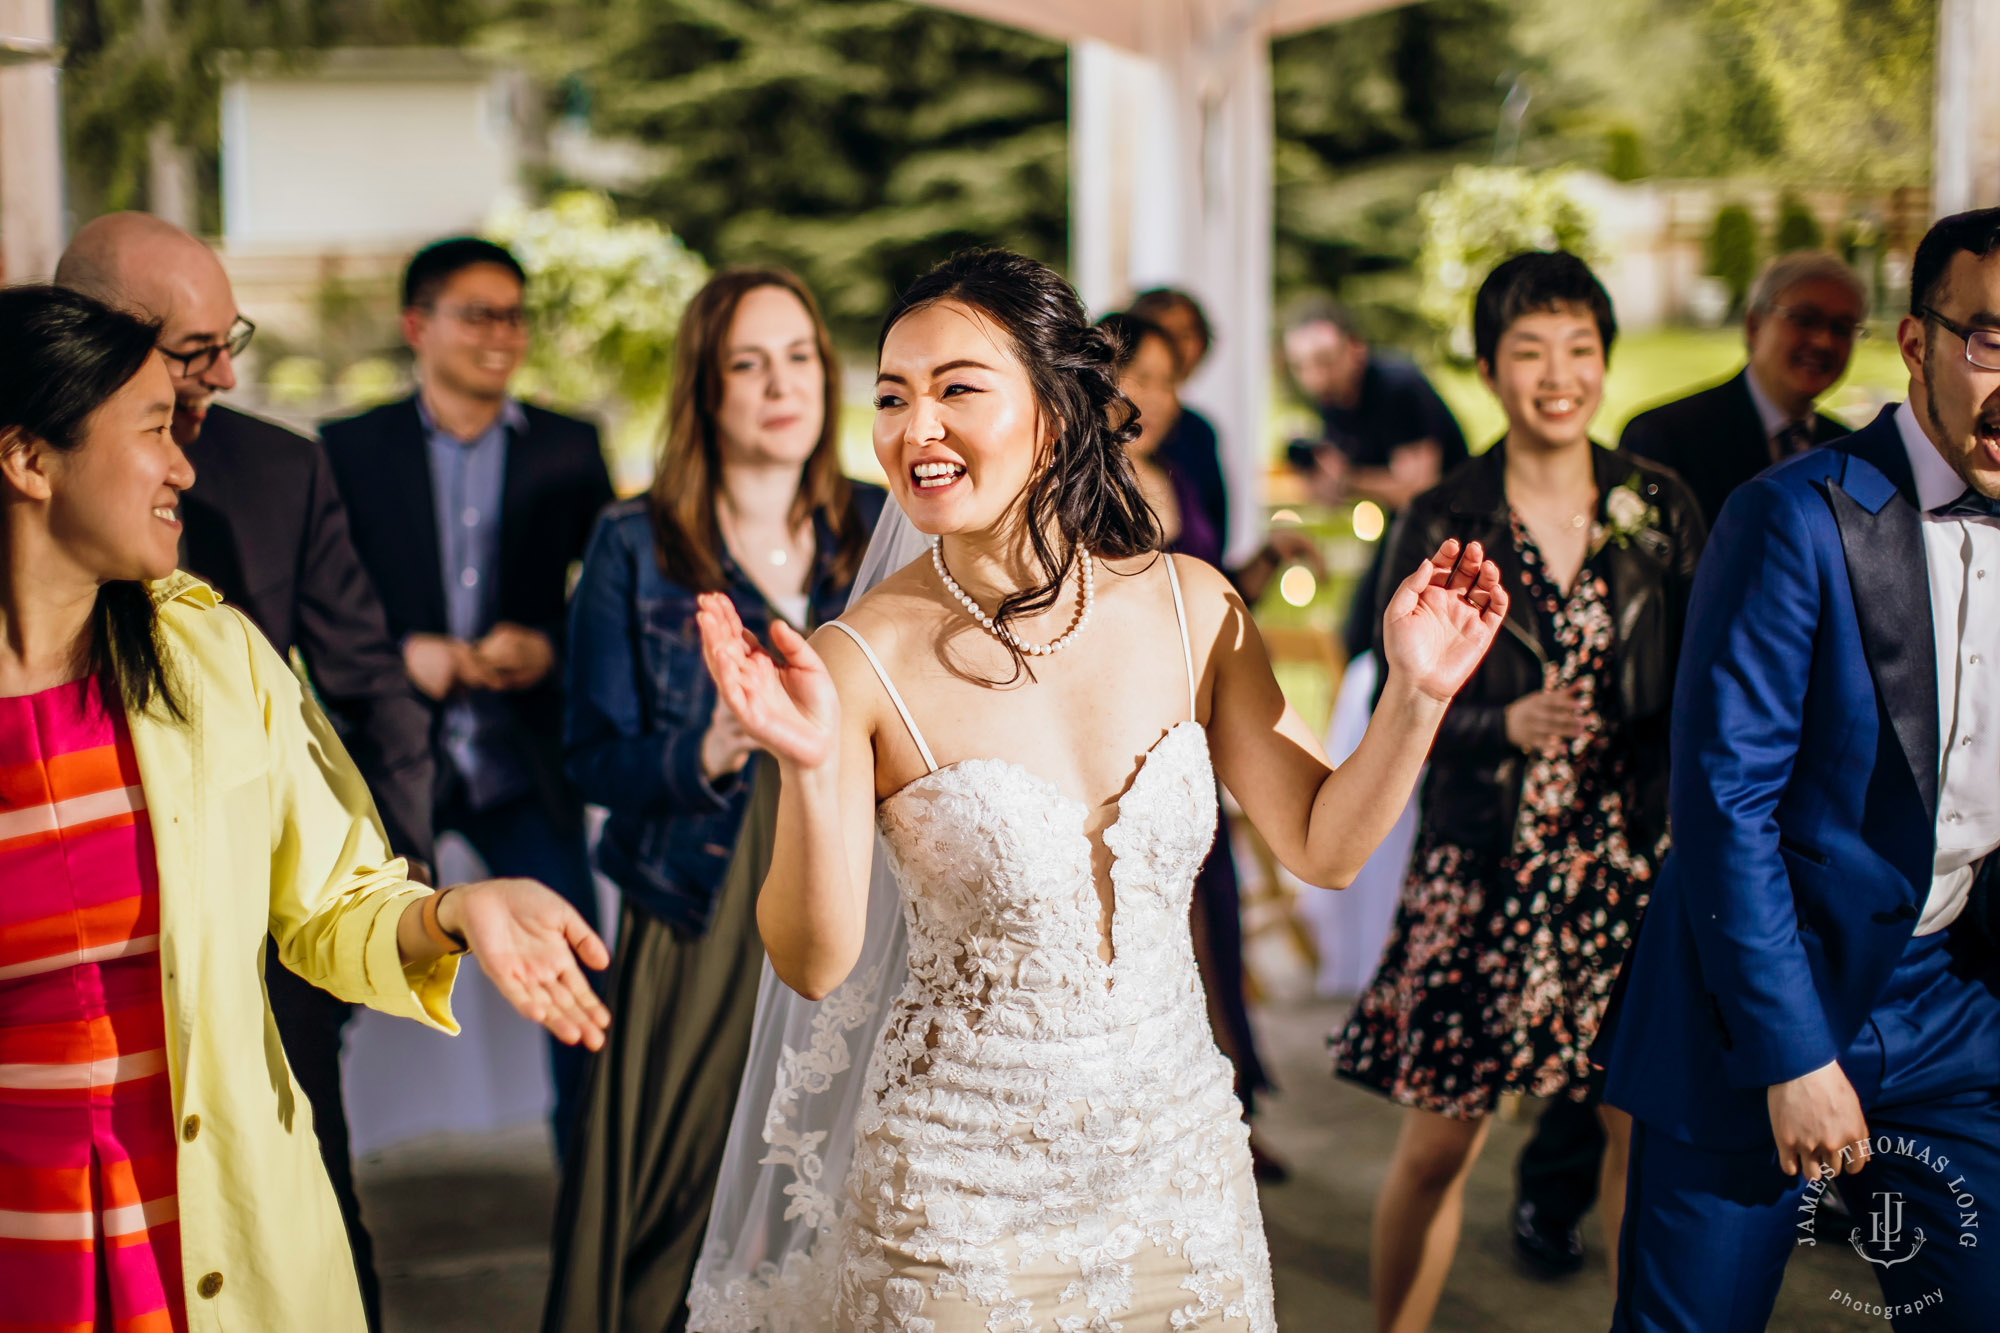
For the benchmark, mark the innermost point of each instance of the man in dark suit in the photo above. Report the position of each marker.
(1816, 987)
(469, 509)
(264, 523)
(1805, 313)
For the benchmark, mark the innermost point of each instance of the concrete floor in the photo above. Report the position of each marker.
(461, 1225)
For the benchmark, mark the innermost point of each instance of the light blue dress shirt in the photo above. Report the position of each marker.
(479, 734)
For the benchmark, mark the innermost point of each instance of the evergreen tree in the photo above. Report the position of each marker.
(1732, 252)
(856, 143)
(1370, 114)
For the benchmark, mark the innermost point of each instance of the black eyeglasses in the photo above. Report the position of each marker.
(1808, 320)
(483, 317)
(201, 359)
(1982, 346)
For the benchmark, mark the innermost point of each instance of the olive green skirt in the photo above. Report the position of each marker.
(649, 1138)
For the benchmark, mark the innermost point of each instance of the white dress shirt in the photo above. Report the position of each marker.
(1962, 557)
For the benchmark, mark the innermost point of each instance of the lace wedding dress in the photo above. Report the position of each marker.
(1045, 1142)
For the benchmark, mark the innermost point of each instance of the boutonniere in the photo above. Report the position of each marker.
(1628, 514)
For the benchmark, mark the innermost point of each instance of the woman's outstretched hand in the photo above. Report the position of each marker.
(1442, 619)
(790, 709)
(534, 947)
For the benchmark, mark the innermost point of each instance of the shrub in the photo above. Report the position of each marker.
(604, 299)
(1624, 158)
(1797, 229)
(1732, 252)
(1477, 218)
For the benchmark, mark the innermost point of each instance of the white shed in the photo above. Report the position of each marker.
(365, 150)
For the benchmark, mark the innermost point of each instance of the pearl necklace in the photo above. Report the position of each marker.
(1004, 634)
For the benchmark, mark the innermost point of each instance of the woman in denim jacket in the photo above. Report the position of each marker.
(749, 500)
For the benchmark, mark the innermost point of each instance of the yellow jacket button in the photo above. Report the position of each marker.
(189, 1128)
(209, 1286)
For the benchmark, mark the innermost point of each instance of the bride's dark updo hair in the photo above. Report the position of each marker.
(1087, 494)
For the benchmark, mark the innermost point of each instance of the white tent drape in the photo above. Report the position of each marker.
(1967, 124)
(31, 165)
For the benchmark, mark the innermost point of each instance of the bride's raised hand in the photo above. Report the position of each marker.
(791, 708)
(1442, 619)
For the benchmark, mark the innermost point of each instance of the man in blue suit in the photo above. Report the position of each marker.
(1816, 988)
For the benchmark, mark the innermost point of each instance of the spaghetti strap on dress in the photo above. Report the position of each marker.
(896, 698)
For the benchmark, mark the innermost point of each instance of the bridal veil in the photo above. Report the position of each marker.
(767, 1263)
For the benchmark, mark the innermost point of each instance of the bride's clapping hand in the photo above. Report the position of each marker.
(1442, 619)
(791, 708)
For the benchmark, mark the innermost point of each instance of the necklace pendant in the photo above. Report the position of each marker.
(780, 558)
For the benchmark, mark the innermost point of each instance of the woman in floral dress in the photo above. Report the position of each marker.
(1544, 808)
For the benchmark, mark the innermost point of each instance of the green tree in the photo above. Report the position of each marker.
(1624, 156)
(1849, 80)
(857, 143)
(1369, 114)
(1833, 91)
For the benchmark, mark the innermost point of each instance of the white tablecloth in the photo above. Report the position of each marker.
(405, 1081)
(1353, 924)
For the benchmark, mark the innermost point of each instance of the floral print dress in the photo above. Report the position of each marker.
(1499, 967)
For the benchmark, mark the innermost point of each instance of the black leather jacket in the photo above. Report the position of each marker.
(1472, 790)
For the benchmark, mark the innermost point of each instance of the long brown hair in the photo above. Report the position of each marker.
(689, 478)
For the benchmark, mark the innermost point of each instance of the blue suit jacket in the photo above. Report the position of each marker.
(1803, 795)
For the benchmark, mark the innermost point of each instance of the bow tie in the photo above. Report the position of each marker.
(1969, 505)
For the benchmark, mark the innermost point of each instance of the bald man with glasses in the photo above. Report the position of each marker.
(264, 523)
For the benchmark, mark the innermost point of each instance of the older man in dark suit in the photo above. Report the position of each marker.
(264, 523)
(1806, 311)
(468, 508)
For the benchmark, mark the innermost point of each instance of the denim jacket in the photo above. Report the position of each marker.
(639, 700)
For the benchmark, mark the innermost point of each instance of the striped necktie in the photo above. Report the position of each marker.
(1796, 437)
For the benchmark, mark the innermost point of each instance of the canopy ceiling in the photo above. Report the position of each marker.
(1131, 23)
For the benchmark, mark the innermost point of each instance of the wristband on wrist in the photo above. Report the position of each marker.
(434, 929)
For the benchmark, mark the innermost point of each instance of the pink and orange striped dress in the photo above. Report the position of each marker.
(89, 1228)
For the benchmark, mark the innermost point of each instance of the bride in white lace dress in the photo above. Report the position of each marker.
(1034, 716)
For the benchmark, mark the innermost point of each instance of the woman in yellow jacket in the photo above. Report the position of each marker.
(171, 803)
